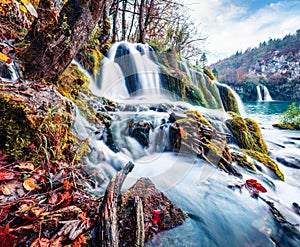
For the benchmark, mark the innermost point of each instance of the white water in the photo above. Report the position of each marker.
(237, 98)
(218, 215)
(10, 72)
(267, 96)
(263, 93)
(128, 69)
(259, 97)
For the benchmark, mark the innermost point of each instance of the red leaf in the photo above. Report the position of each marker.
(157, 217)
(251, 182)
(6, 239)
(260, 188)
(4, 175)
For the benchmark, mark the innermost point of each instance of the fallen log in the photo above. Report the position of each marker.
(108, 232)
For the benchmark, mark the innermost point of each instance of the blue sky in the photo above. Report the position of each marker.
(235, 25)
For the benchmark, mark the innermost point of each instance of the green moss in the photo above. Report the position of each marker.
(267, 161)
(71, 84)
(198, 117)
(247, 133)
(16, 130)
(286, 126)
(242, 160)
(228, 99)
(210, 74)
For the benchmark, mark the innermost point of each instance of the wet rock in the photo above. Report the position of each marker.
(289, 161)
(140, 131)
(159, 212)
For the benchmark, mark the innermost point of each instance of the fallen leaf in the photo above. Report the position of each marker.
(67, 184)
(251, 181)
(53, 198)
(29, 185)
(157, 217)
(5, 58)
(5, 175)
(25, 166)
(17, 99)
(261, 188)
(41, 242)
(7, 239)
(80, 241)
(5, 190)
(3, 214)
(37, 211)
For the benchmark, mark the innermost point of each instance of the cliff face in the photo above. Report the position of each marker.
(275, 64)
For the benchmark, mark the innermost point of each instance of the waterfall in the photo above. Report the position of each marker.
(267, 96)
(259, 97)
(129, 69)
(9, 72)
(212, 199)
(263, 93)
(230, 98)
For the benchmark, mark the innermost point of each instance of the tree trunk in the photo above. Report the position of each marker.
(142, 38)
(124, 28)
(57, 36)
(115, 17)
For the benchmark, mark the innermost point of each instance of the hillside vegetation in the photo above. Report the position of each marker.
(274, 63)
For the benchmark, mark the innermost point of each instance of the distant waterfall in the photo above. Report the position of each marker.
(129, 70)
(263, 93)
(259, 97)
(267, 96)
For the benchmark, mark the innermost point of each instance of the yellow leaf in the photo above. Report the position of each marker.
(22, 8)
(30, 8)
(5, 58)
(5, 1)
(25, 1)
(29, 185)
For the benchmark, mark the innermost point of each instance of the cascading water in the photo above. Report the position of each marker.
(263, 93)
(259, 97)
(267, 96)
(216, 213)
(129, 69)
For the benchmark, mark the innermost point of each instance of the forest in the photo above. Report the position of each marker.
(274, 63)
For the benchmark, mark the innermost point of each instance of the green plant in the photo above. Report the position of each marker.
(292, 116)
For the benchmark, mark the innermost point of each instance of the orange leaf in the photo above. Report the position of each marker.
(41, 242)
(80, 241)
(29, 185)
(67, 184)
(261, 188)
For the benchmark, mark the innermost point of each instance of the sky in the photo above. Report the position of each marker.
(235, 25)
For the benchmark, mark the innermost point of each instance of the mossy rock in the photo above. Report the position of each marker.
(228, 99)
(248, 134)
(267, 161)
(242, 160)
(210, 74)
(286, 126)
(33, 115)
(198, 117)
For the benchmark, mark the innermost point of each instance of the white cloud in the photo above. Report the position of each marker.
(232, 28)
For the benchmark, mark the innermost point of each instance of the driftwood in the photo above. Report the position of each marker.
(140, 226)
(108, 232)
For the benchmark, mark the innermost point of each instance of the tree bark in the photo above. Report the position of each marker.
(115, 17)
(142, 38)
(57, 36)
(108, 233)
